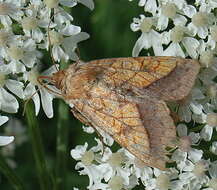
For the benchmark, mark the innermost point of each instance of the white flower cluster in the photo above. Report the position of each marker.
(170, 28)
(23, 36)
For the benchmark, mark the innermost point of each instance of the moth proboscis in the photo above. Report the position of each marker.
(126, 98)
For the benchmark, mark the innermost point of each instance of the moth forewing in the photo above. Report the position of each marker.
(125, 98)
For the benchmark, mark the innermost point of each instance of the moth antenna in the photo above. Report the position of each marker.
(27, 101)
(40, 78)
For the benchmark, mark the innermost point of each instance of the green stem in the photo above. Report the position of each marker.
(10, 174)
(62, 142)
(37, 148)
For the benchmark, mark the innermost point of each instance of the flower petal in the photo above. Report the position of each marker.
(182, 130)
(191, 45)
(78, 151)
(5, 140)
(69, 30)
(29, 91)
(3, 119)
(46, 99)
(16, 87)
(140, 44)
(206, 133)
(87, 3)
(195, 155)
(8, 102)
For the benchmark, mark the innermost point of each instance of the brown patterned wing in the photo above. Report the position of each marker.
(136, 72)
(145, 129)
(167, 78)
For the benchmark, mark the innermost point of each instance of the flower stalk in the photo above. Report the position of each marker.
(62, 151)
(10, 174)
(37, 148)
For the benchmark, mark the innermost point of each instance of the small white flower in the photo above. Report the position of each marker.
(5, 140)
(149, 5)
(207, 75)
(116, 183)
(64, 47)
(170, 10)
(20, 54)
(195, 177)
(213, 147)
(200, 21)
(36, 17)
(115, 161)
(179, 37)
(186, 140)
(95, 172)
(190, 104)
(209, 4)
(69, 3)
(148, 36)
(8, 102)
(207, 58)
(213, 174)
(185, 156)
(211, 123)
(8, 10)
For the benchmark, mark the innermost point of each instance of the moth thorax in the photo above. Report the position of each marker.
(79, 83)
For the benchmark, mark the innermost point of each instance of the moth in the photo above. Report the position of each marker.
(126, 98)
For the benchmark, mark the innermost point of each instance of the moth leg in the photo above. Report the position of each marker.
(85, 121)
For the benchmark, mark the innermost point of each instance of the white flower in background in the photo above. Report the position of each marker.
(185, 152)
(161, 180)
(148, 36)
(186, 140)
(70, 3)
(213, 147)
(208, 60)
(181, 42)
(20, 54)
(9, 10)
(8, 102)
(213, 174)
(115, 164)
(35, 20)
(211, 4)
(30, 90)
(149, 5)
(63, 48)
(190, 104)
(170, 10)
(207, 76)
(200, 21)
(194, 174)
(86, 166)
(6, 38)
(212, 38)
(211, 123)
(5, 140)
(210, 93)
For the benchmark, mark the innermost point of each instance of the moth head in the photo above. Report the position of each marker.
(57, 79)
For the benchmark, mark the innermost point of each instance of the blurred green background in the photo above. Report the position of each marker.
(109, 27)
